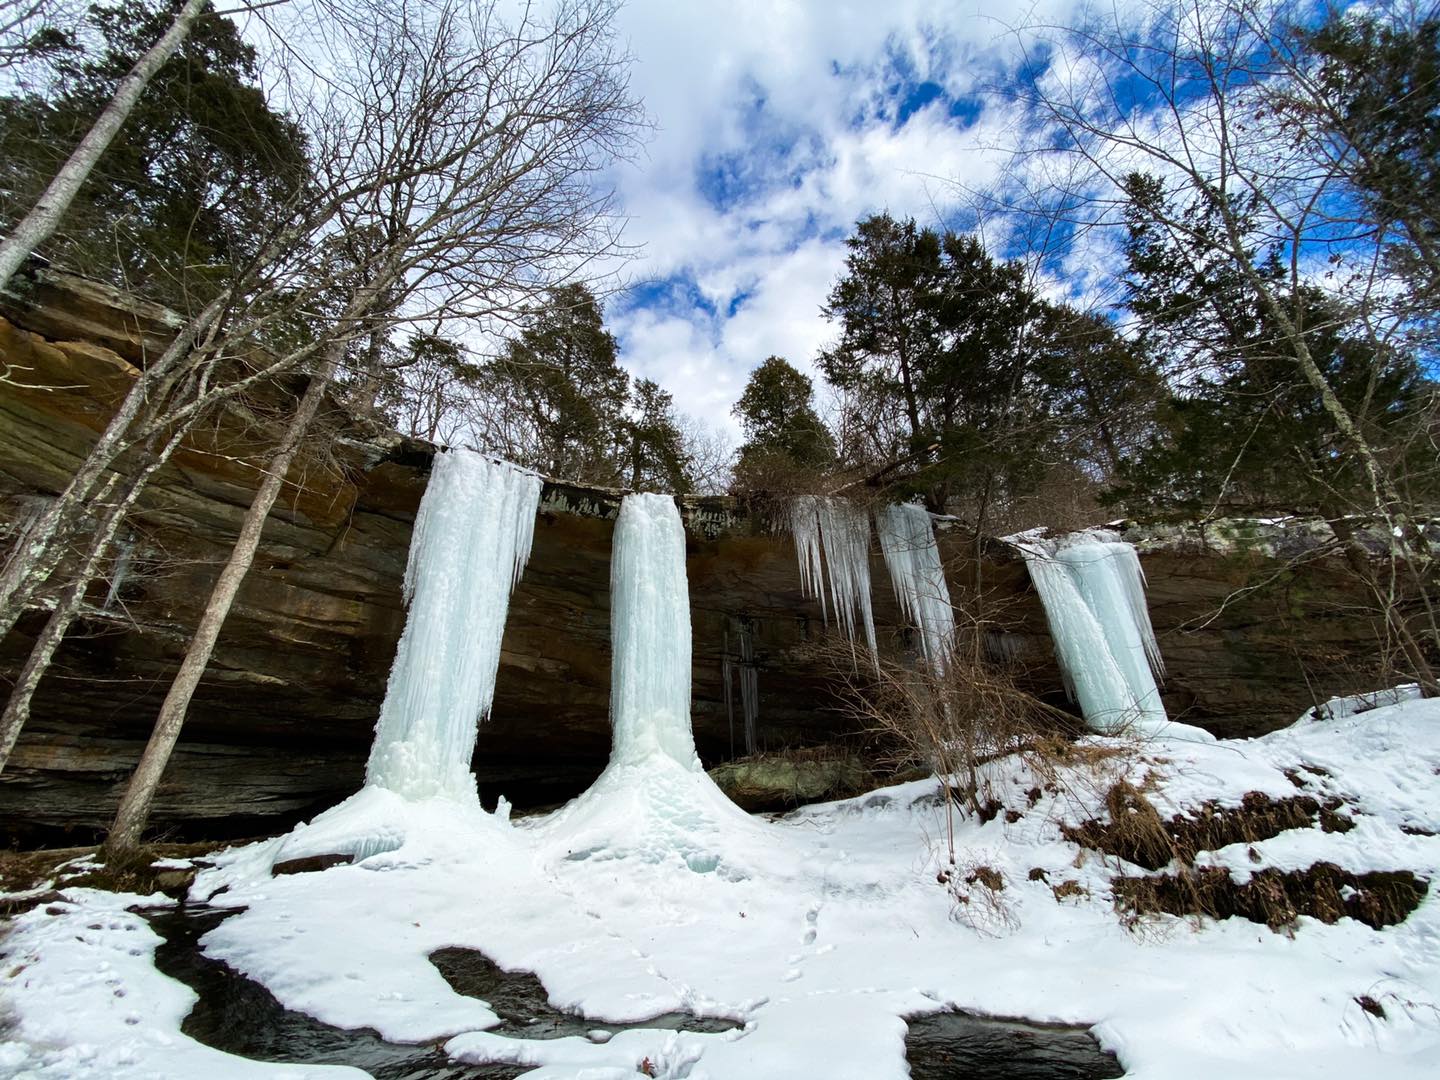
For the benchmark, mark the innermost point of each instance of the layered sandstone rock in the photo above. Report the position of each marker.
(283, 719)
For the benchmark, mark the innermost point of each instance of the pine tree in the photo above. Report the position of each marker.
(885, 306)
(563, 376)
(190, 183)
(777, 414)
(655, 458)
(1243, 430)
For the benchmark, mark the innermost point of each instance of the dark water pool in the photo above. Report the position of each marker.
(240, 1016)
(959, 1046)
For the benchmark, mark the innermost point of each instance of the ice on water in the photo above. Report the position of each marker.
(840, 530)
(907, 538)
(472, 540)
(1093, 592)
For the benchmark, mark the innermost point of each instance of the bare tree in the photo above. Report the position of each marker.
(44, 217)
(490, 138)
(1187, 92)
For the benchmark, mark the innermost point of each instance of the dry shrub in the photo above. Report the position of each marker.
(951, 721)
(975, 888)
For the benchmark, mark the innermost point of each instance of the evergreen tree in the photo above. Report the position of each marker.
(654, 457)
(885, 306)
(1373, 105)
(1243, 429)
(202, 167)
(563, 377)
(777, 414)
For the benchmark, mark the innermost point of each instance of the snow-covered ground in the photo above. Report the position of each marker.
(817, 933)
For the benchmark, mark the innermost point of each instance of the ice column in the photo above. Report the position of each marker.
(1093, 593)
(650, 634)
(907, 538)
(471, 542)
(841, 531)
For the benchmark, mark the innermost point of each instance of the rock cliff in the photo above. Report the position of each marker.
(1254, 626)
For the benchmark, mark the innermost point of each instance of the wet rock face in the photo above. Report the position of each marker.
(282, 722)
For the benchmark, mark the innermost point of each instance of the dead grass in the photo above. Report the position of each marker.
(1277, 898)
(37, 875)
(1137, 833)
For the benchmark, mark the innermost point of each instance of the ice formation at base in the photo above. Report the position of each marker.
(650, 634)
(654, 800)
(907, 538)
(471, 542)
(841, 531)
(1093, 593)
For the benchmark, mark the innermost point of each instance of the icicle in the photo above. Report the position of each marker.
(1103, 581)
(471, 542)
(1091, 674)
(650, 634)
(907, 537)
(1132, 580)
(805, 528)
(725, 668)
(841, 531)
(119, 571)
(1092, 588)
(845, 538)
(749, 686)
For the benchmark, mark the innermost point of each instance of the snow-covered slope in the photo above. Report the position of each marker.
(817, 933)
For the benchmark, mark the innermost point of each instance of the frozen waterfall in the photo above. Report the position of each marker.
(470, 545)
(650, 634)
(654, 802)
(841, 531)
(1093, 592)
(907, 538)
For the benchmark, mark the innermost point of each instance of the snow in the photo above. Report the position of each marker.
(817, 933)
(85, 1000)
(907, 539)
(840, 530)
(470, 545)
(1093, 592)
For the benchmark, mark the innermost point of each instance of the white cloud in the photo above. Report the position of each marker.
(798, 101)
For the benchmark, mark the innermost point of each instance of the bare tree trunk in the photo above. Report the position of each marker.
(37, 226)
(134, 811)
(67, 606)
(29, 569)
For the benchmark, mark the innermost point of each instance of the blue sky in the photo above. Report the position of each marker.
(778, 125)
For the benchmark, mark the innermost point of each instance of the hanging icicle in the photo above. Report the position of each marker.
(907, 538)
(650, 635)
(840, 531)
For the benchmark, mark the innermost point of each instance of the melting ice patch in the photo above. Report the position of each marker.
(472, 540)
